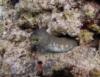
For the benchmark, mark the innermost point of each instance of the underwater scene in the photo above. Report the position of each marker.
(49, 38)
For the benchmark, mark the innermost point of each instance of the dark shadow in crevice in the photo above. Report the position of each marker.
(24, 26)
(62, 73)
(60, 35)
(95, 42)
(95, 1)
(14, 2)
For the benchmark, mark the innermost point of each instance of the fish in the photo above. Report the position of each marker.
(45, 42)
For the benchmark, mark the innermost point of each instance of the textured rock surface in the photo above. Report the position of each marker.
(82, 58)
(65, 21)
(61, 19)
(15, 48)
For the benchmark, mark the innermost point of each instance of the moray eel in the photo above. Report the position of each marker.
(42, 41)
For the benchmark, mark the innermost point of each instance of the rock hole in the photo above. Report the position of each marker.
(14, 2)
(62, 73)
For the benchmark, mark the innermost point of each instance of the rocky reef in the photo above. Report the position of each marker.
(49, 38)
